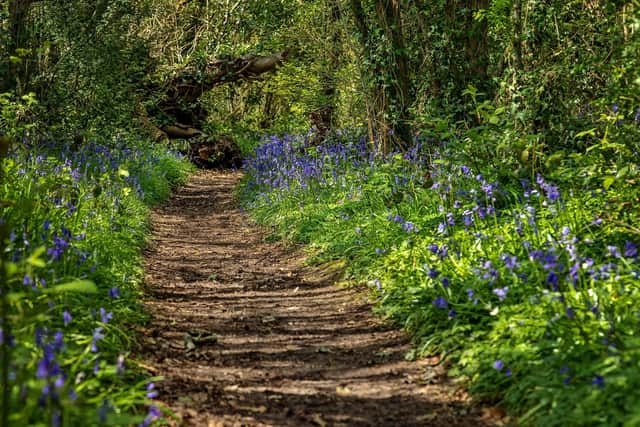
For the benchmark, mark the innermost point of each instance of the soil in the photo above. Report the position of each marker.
(245, 334)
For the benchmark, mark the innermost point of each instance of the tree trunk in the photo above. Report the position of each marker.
(324, 117)
(375, 94)
(398, 92)
(18, 12)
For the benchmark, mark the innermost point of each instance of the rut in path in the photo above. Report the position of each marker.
(245, 335)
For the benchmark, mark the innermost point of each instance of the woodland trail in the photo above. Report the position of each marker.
(246, 335)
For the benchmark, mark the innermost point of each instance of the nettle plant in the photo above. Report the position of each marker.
(75, 221)
(532, 289)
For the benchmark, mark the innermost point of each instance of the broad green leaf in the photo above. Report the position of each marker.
(622, 173)
(82, 286)
(607, 181)
(35, 260)
(12, 269)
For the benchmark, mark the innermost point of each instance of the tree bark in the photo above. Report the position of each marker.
(398, 92)
(324, 117)
(18, 12)
(360, 19)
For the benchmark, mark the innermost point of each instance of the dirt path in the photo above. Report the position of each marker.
(245, 335)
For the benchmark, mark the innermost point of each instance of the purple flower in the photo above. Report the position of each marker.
(510, 261)
(39, 335)
(151, 393)
(549, 261)
(410, 227)
(59, 382)
(442, 252)
(573, 273)
(104, 316)
(553, 194)
(57, 250)
(66, 317)
(570, 313)
(552, 279)
(445, 282)
(501, 292)
(630, 249)
(433, 273)
(507, 372)
(598, 381)
(614, 251)
(450, 219)
(498, 365)
(97, 336)
(154, 413)
(470, 293)
(58, 340)
(467, 218)
(441, 303)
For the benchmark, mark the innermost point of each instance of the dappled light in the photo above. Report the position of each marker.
(290, 347)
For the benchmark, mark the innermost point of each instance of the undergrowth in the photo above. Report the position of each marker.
(530, 288)
(74, 222)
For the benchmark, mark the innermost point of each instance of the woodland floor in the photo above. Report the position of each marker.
(246, 335)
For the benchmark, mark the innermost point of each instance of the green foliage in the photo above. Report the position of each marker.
(74, 224)
(529, 288)
(83, 61)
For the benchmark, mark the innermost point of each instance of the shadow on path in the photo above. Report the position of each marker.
(245, 335)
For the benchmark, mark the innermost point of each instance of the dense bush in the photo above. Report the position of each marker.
(531, 289)
(75, 220)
